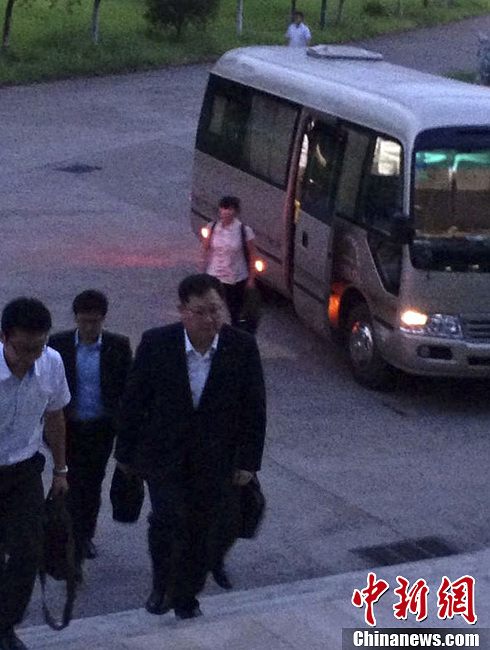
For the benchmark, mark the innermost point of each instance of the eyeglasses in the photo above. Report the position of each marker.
(89, 320)
(212, 312)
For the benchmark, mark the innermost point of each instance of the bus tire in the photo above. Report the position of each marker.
(367, 365)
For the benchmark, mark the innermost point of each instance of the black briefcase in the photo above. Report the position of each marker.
(127, 494)
(58, 557)
(252, 508)
(59, 544)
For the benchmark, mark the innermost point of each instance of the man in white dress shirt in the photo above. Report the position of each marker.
(33, 392)
(298, 34)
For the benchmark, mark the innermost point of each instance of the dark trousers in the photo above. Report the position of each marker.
(21, 515)
(89, 446)
(187, 537)
(235, 296)
(225, 527)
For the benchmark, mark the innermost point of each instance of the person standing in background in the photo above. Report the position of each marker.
(298, 34)
(33, 392)
(97, 363)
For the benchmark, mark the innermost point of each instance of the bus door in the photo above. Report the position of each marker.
(318, 169)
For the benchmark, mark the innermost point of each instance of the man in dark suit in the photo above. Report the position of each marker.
(96, 363)
(193, 424)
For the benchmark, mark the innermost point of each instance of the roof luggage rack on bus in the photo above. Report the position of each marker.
(343, 52)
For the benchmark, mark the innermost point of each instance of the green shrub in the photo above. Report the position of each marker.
(375, 9)
(179, 13)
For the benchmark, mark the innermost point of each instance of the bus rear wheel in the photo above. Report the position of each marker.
(366, 363)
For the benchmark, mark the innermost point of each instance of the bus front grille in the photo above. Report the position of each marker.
(476, 328)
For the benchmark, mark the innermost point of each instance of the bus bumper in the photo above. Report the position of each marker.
(423, 355)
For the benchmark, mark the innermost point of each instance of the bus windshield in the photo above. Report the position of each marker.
(452, 193)
(451, 201)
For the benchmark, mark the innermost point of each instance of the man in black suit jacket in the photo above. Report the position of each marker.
(96, 366)
(193, 424)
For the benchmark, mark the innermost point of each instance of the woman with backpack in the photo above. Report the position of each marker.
(229, 254)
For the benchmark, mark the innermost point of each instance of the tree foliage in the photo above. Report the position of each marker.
(179, 13)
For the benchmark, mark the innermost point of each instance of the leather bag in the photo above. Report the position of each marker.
(252, 508)
(58, 557)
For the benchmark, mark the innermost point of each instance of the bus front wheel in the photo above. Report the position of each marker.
(367, 365)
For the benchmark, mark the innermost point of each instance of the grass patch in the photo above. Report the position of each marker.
(464, 75)
(49, 42)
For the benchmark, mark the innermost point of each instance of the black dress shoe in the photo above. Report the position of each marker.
(91, 551)
(156, 603)
(10, 641)
(193, 611)
(221, 578)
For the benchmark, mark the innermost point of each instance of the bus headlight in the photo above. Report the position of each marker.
(438, 325)
(205, 232)
(413, 319)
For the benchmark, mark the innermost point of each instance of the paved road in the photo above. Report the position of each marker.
(441, 49)
(95, 176)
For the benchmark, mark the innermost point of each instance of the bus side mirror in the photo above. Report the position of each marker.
(401, 228)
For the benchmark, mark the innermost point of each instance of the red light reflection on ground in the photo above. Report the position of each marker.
(165, 259)
(126, 260)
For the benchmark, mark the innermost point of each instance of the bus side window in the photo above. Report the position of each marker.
(383, 188)
(320, 172)
(223, 122)
(268, 138)
(353, 163)
(359, 197)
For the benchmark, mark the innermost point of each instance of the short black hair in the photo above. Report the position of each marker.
(27, 314)
(198, 285)
(230, 202)
(300, 14)
(90, 300)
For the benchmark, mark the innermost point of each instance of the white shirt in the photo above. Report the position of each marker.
(226, 259)
(298, 35)
(198, 367)
(23, 403)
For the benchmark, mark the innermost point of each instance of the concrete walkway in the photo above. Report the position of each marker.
(307, 615)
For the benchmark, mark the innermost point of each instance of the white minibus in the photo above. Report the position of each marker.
(368, 187)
